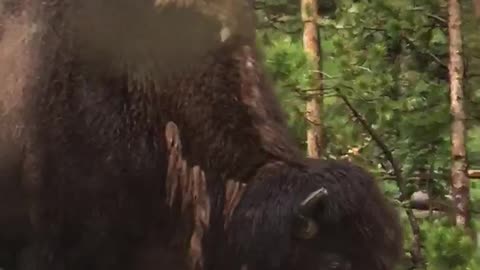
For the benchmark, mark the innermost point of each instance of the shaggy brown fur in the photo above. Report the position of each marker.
(15, 59)
(99, 92)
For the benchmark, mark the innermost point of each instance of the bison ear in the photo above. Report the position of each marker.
(305, 226)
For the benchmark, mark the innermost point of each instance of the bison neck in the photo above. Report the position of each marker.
(229, 119)
(132, 68)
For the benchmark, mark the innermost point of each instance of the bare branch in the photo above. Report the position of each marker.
(417, 255)
(473, 75)
(433, 56)
(438, 18)
(474, 174)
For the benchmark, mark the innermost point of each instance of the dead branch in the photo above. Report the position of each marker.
(474, 174)
(416, 252)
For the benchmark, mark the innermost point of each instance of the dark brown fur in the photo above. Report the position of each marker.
(96, 158)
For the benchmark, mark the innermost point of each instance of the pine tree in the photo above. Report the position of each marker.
(459, 170)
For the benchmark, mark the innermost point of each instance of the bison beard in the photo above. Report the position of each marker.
(138, 157)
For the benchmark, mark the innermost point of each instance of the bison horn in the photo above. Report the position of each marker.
(307, 226)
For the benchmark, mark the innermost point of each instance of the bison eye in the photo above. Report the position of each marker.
(345, 266)
(334, 265)
(339, 265)
(334, 261)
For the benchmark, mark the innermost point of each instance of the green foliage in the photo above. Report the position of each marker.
(389, 60)
(289, 68)
(447, 247)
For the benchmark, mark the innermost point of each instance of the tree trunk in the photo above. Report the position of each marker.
(476, 6)
(313, 112)
(459, 171)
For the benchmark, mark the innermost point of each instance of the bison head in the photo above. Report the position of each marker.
(327, 215)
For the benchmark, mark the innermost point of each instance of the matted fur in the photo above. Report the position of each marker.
(17, 63)
(99, 92)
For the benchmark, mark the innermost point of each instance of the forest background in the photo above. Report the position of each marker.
(380, 87)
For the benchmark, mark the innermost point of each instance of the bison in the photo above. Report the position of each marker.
(145, 134)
